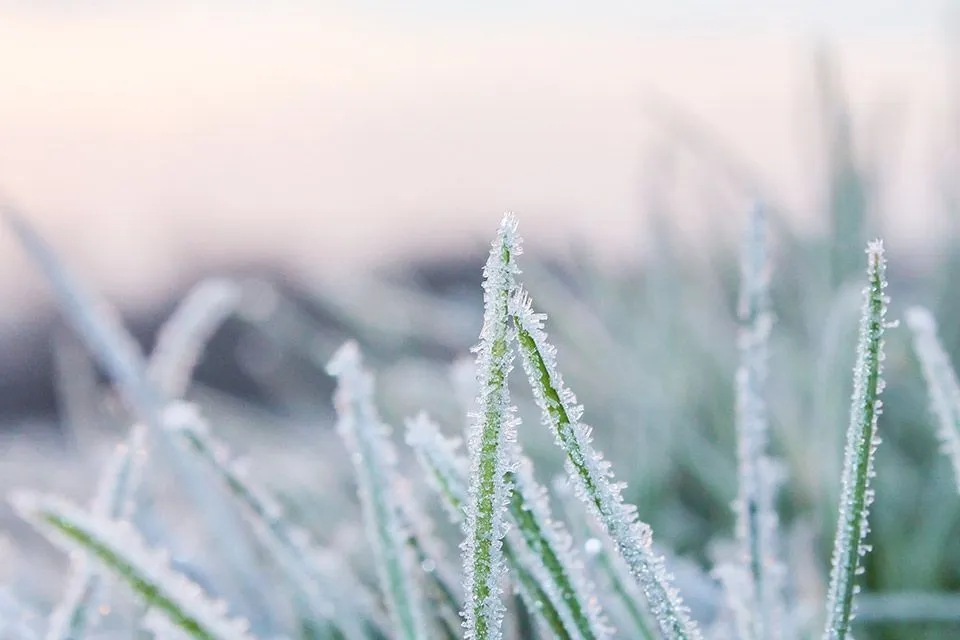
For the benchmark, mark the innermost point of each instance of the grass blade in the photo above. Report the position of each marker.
(593, 475)
(757, 522)
(862, 440)
(119, 548)
(490, 438)
(941, 380)
(366, 439)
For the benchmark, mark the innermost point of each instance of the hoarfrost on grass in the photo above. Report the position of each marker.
(367, 440)
(594, 476)
(941, 380)
(862, 440)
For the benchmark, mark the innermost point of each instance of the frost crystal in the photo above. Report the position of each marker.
(366, 438)
(761, 592)
(941, 381)
(491, 434)
(594, 476)
(862, 440)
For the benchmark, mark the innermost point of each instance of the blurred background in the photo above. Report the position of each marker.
(347, 164)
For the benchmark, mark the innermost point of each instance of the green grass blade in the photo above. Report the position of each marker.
(862, 440)
(941, 379)
(489, 442)
(116, 546)
(366, 439)
(593, 475)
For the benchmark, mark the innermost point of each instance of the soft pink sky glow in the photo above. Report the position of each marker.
(145, 144)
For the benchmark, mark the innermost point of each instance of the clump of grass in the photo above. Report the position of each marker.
(508, 532)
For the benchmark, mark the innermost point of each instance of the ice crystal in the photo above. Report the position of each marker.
(862, 440)
(366, 438)
(594, 476)
(489, 443)
(117, 546)
(941, 380)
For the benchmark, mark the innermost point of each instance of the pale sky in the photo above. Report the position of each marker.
(151, 138)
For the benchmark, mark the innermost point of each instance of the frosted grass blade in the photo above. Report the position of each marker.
(594, 477)
(118, 547)
(862, 440)
(185, 334)
(366, 439)
(491, 435)
(446, 471)
(761, 617)
(941, 379)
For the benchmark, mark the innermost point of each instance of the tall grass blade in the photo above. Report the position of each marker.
(374, 459)
(757, 521)
(862, 440)
(594, 477)
(490, 440)
(941, 380)
(118, 547)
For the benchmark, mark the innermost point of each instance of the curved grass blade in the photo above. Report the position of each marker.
(593, 475)
(184, 336)
(941, 379)
(491, 435)
(862, 440)
(365, 437)
(118, 547)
